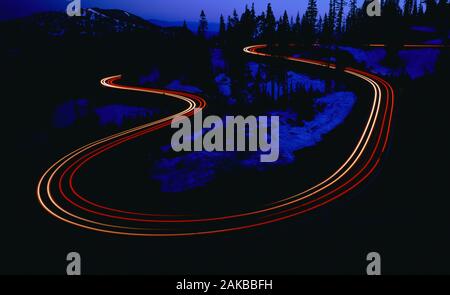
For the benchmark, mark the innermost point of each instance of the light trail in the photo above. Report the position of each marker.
(58, 196)
(412, 45)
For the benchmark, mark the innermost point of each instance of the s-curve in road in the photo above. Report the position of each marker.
(59, 197)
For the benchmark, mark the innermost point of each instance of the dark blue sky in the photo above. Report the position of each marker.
(171, 10)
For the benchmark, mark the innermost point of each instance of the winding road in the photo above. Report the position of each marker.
(58, 196)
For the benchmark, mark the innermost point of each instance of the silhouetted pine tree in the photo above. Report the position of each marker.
(420, 11)
(414, 8)
(353, 8)
(309, 22)
(222, 28)
(408, 8)
(229, 24)
(203, 25)
(431, 7)
(311, 12)
(234, 21)
(392, 8)
(324, 29)
(247, 25)
(260, 25)
(269, 25)
(340, 5)
(331, 19)
(352, 16)
(319, 26)
(442, 19)
(284, 29)
(296, 28)
(254, 20)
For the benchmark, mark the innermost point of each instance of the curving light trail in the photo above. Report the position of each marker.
(412, 45)
(58, 196)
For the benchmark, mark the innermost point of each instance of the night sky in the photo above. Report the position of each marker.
(168, 10)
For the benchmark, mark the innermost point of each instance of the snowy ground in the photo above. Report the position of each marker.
(178, 86)
(294, 81)
(68, 113)
(195, 169)
(415, 63)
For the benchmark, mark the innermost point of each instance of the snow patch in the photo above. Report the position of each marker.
(178, 86)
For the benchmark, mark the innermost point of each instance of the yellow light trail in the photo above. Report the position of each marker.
(345, 178)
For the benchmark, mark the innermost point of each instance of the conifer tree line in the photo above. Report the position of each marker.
(344, 21)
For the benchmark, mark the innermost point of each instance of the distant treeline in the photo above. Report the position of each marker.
(335, 25)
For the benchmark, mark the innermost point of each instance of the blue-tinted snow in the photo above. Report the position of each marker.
(195, 169)
(116, 114)
(178, 86)
(415, 62)
(68, 113)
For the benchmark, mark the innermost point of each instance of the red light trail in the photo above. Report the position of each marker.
(58, 196)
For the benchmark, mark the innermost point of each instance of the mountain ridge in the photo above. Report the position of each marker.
(93, 21)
